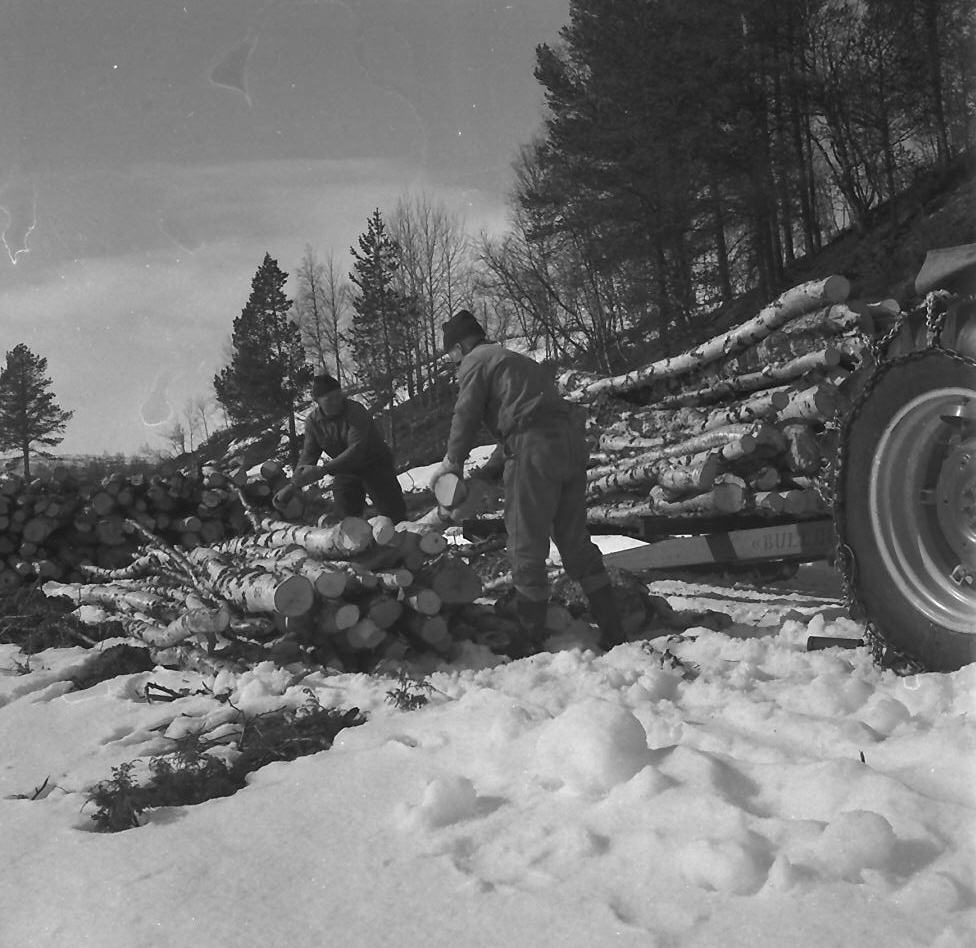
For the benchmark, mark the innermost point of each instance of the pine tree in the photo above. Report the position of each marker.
(636, 95)
(380, 334)
(268, 372)
(28, 412)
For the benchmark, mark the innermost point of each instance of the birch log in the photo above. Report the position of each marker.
(143, 565)
(382, 607)
(765, 477)
(338, 616)
(430, 541)
(763, 405)
(822, 360)
(802, 452)
(747, 436)
(833, 320)
(256, 590)
(383, 530)
(819, 402)
(422, 600)
(429, 631)
(109, 595)
(167, 634)
(725, 498)
(365, 634)
(452, 580)
(618, 441)
(794, 302)
(351, 536)
(696, 472)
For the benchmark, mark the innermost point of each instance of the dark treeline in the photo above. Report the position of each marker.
(692, 149)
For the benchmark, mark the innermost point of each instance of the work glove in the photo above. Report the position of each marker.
(445, 467)
(283, 496)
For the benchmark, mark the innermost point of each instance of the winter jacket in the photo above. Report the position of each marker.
(506, 391)
(351, 439)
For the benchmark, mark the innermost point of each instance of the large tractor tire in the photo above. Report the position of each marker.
(906, 513)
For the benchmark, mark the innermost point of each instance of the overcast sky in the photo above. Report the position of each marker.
(152, 151)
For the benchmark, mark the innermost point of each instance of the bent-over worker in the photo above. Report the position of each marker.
(542, 444)
(361, 461)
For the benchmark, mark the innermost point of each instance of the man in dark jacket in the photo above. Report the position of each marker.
(544, 452)
(360, 460)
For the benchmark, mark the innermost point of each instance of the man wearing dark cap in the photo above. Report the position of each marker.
(361, 462)
(542, 445)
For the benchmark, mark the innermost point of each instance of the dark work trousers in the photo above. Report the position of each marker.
(545, 496)
(349, 494)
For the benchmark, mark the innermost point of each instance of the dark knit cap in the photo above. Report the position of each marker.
(461, 325)
(322, 384)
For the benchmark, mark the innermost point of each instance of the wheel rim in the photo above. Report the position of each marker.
(922, 502)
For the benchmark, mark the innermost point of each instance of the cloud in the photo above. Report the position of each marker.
(133, 304)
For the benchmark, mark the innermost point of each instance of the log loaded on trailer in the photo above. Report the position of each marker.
(822, 428)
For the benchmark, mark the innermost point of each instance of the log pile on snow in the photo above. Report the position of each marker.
(350, 596)
(52, 526)
(742, 424)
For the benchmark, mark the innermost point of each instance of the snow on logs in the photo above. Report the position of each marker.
(742, 422)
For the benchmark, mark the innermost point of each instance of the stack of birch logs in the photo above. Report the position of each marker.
(51, 526)
(742, 423)
(348, 596)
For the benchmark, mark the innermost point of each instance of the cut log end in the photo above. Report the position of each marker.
(836, 288)
(294, 596)
(450, 490)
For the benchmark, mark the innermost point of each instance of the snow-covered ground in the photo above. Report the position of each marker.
(714, 789)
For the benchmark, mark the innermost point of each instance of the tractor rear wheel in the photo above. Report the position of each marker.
(907, 508)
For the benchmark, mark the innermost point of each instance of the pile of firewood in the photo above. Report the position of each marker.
(348, 596)
(51, 527)
(744, 423)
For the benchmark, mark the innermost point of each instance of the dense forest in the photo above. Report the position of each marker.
(691, 156)
(690, 151)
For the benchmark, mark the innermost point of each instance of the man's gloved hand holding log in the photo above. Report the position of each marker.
(283, 497)
(445, 467)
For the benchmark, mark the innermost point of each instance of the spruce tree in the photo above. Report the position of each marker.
(268, 373)
(28, 412)
(380, 334)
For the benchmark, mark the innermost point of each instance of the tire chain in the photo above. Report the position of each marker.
(884, 653)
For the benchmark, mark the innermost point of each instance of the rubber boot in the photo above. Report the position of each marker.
(530, 614)
(606, 615)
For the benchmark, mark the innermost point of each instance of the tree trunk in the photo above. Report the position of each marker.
(256, 590)
(351, 536)
(750, 382)
(794, 302)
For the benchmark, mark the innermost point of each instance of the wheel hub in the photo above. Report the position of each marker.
(922, 501)
(956, 500)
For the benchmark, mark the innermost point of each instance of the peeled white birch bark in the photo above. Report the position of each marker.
(159, 634)
(351, 536)
(762, 405)
(109, 595)
(725, 498)
(695, 471)
(255, 590)
(822, 360)
(794, 302)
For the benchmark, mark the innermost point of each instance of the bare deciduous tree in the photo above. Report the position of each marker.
(437, 272)
(322, 309)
